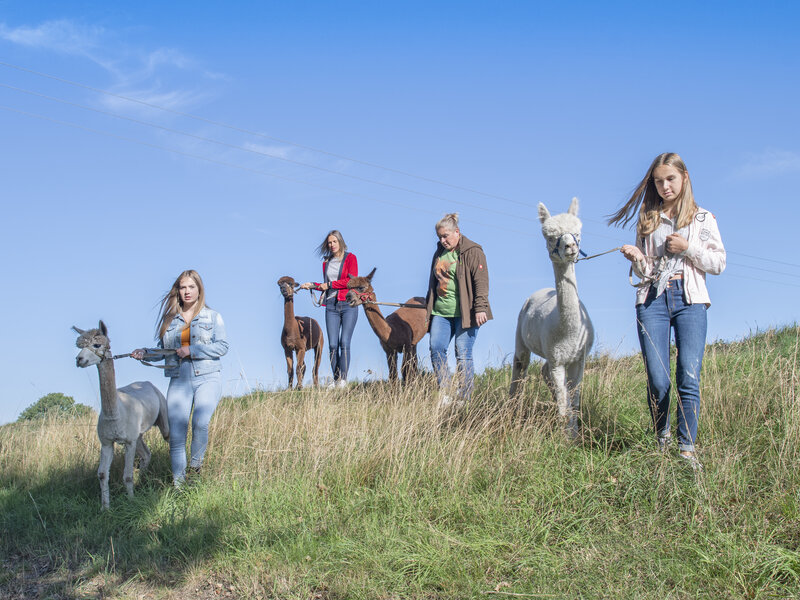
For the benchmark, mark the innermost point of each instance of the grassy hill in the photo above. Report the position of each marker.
(367, 493)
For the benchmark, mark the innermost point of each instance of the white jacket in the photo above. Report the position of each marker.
(705, 254)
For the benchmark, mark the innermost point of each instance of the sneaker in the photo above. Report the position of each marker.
(342, 383)
(331, 386)
(664, 443)
(691, 459)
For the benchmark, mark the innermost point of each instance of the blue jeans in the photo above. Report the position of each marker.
(187, 390)
(340, 321)
(441, 332)
(654, 318)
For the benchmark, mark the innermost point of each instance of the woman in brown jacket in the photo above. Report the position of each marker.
(457, 304)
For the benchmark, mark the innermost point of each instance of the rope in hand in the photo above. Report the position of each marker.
(163, 351)
(400, 304)
(646, 280)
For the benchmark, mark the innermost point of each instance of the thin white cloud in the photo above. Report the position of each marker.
(135, 72)
(770, 163)
(271, 150)
(61, 36)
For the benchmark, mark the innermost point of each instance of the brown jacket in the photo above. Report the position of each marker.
(472, 278)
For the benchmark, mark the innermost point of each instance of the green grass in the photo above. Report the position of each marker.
(363, 493)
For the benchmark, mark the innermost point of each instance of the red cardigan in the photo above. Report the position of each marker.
(349, 269)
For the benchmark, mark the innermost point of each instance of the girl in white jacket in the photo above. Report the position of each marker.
(677, 243)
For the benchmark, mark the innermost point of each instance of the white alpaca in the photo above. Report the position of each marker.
(553, 323)
(126, 413)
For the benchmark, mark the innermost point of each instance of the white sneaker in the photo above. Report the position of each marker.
(342, 383)
(331, 386)
(444, 400)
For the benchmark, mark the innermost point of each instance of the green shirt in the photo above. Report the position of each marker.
(446, 301)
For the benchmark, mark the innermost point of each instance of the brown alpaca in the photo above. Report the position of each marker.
(399, 332)
(299, 335)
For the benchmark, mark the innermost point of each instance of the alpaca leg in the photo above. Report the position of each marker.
(317, 360)
(546, 376)
(301, 368)
(106, 454)
(391, 359)
(143, 452)
(574, 378)
(289, 365)
(409, 368)
(522, 358)
(558, 378)
(127, 473)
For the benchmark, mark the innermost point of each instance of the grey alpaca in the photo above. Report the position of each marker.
(126, 413)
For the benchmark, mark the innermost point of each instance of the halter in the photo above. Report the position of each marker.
(103, 354)
(366, 297)
(577, 241)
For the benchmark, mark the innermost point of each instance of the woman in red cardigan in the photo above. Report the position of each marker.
(338, 266)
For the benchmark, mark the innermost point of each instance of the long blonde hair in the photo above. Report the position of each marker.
(171, 302)
(647, 203)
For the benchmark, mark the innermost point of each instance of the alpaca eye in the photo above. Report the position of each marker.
(95, 345)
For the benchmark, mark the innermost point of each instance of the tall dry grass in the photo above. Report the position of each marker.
(372, 492)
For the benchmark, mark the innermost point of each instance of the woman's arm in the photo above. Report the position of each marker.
(480, 287)
(642, 267)
(707, 254)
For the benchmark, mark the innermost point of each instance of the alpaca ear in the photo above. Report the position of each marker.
(371, 273)
(103, 328)
(573, 207)
(544, 214)
(78, 331)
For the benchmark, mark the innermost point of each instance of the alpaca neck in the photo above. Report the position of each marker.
(108, 388)
(567, 294)
(289, 322)
(377, 322)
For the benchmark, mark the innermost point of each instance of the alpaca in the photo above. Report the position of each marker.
(398, 333)
(125, 414)
(299, 335)
(554, 324)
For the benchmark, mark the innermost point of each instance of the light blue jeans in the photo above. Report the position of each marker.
(442, 330)
(186, 391)
(655, 318)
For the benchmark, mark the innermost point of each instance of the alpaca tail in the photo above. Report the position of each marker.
(163, 417)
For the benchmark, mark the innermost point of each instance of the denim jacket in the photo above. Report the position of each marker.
(207, 343)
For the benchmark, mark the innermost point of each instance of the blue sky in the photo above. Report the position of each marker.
(260, 126)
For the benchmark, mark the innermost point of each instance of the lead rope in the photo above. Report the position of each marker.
(646, 280)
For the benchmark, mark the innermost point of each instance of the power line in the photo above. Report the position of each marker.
(260, 152)
(236, 166)
(780, 262)
(296, 162)
(262, 135)
(300, 181)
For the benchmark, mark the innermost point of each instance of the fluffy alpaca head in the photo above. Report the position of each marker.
(287, 285)
(359, 289)
(562, 232)
(94, 344)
